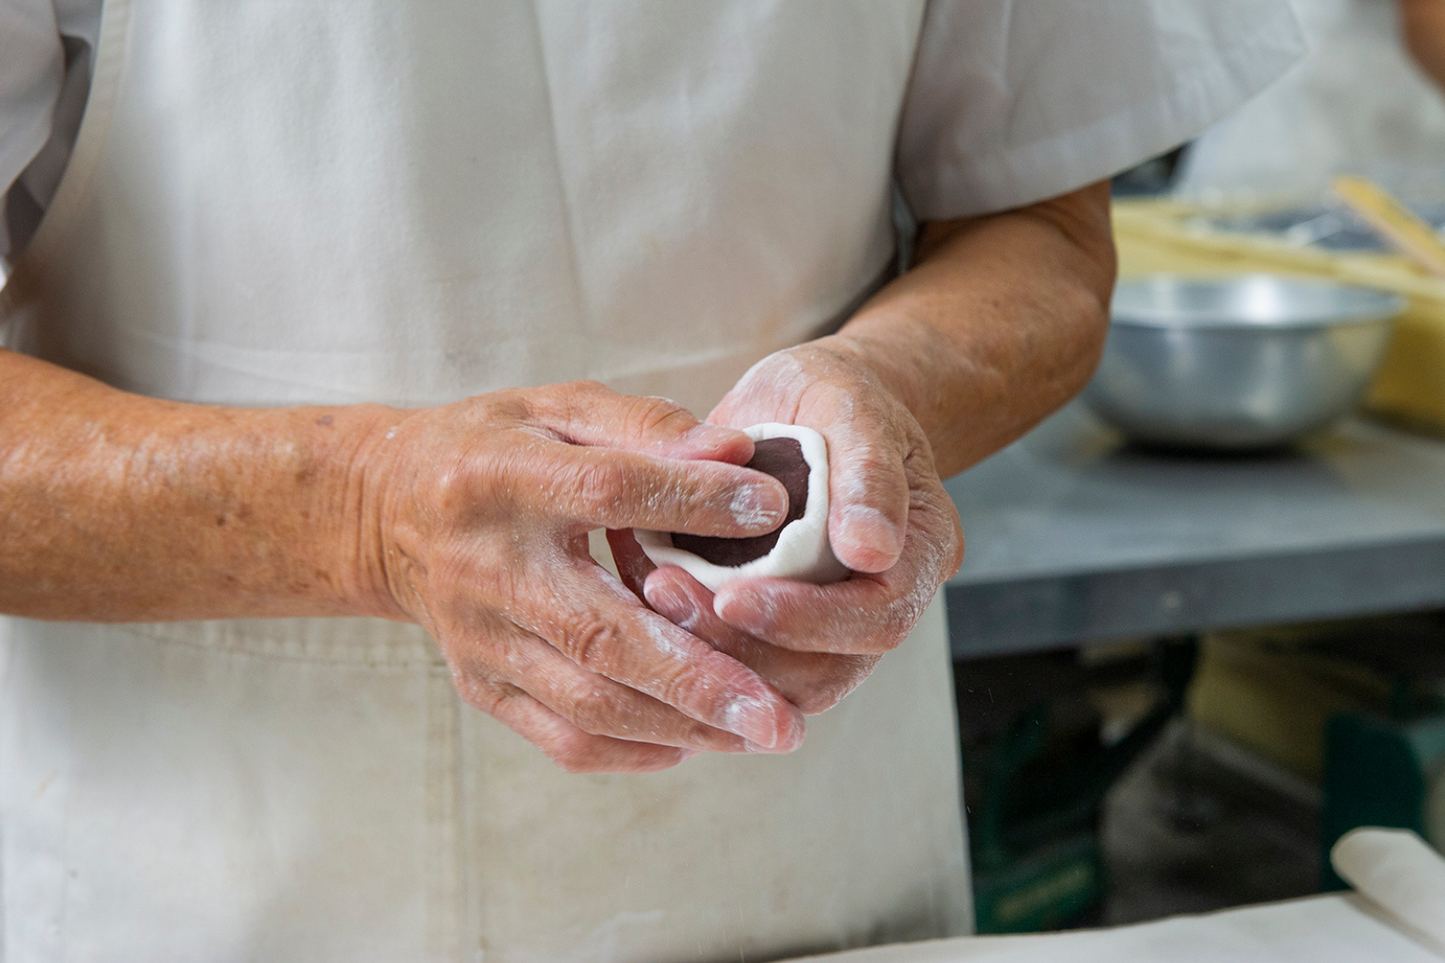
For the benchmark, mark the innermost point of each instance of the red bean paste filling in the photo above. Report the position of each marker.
(783, 459)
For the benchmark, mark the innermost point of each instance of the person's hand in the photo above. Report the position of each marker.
(889, 520)
(474, 521)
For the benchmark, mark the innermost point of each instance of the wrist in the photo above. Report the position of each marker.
(356, 447)
(912, 361)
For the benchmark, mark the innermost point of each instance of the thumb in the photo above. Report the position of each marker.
(868, 510)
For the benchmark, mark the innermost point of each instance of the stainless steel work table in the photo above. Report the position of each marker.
(1074, 537)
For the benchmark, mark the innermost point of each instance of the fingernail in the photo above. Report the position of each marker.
(796, 731)
(751, 719)
(789, 742)
(759, 507)
(668, 601)
(869, 528)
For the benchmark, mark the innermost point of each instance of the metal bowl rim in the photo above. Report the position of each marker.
(1388, 306)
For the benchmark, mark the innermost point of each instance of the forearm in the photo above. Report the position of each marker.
(118, 507)
(1001, 322)
(468, 519)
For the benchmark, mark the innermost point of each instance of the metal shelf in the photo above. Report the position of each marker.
(1074, 537)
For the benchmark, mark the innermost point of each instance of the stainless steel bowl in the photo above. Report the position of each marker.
(1237, 363)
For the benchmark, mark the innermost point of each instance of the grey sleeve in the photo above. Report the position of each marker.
(32, 68)
(47, 52)
(1014, 101)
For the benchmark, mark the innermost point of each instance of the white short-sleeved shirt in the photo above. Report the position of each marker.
(411, 203)
(1010, 101)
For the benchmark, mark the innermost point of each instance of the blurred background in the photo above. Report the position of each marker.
(1200, 631)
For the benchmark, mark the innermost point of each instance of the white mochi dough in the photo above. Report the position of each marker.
(802, 552)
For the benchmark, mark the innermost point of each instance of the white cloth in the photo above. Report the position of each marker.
(352, 200)
(1017, 101)
(1357, 104)
(1058, 94)
(1397, 914)
(1401, 874)
(1322, 929)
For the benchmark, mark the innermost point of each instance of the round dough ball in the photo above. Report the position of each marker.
(797, 549)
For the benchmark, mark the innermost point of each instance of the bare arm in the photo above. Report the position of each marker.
(1424, 27)
(1001, 322)
(469, 519)
(119, 507)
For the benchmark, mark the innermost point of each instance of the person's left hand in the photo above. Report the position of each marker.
(889, 520)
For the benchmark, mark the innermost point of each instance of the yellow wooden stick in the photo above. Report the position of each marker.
(1409, 234)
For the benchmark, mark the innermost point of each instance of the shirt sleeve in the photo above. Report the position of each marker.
(1015, 101)
(32, 68)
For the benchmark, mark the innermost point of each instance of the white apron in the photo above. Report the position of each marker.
(352, 200)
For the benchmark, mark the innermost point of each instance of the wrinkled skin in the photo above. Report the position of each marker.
(1001, 320)
(490, 554)
(471, 518)
(889, 520)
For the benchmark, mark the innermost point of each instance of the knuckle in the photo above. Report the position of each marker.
(476, 690)
(592, 642)
(505, 404)
(594, 709)
(840, 676)
(819, 699)
(573, 755)
(653, 415)
(507, 478)
(688, 689)
(673, 686)
(475, 698)
(597, 487)
(580, 400)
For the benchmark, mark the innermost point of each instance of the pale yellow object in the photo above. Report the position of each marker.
(1274, 697)
(1410, 235)
(1155, 236)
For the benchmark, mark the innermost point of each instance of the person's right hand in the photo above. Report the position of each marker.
(474, 521)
